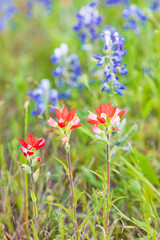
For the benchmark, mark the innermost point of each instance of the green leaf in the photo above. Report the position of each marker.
(127, 218)
(128, 227)
(64, 165)
(112, 229)
(115, 149)
(103, 231)
(139, 223)
(76, 198)
(147, 169)
(91, 178)
(87, 132)
(35, 210)
(83, 222)
(112, 202)
(36, 174)
(135, 173)
(86, 237)
(153, 86)
(33, 196)
(61, 206)
(34, 231)
(97, 174)
(110, 131)
(25, 167)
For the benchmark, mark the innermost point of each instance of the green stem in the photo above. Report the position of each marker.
(72, 193)
(108, 184)
(33, 189)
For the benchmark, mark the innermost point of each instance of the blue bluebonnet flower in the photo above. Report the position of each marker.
(67, 70)
(44, 95)
(46, 4)
(115, 2)
(155, 5)
(111, 60)
(7, 12)
(134, 17)
(88, 20)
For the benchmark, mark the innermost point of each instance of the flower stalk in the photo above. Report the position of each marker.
(72, 193)
(108, 184)
(34, 202)
(67, 121)
(103, 125)
(28, 150)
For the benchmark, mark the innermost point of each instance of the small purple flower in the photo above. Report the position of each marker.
(155, 5)
(43, 96)
(88, 21)
(115, 2)
(67, 71)
(134, 18)
(111, 61)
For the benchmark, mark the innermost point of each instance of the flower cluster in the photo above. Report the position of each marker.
(29, 148)
(7, 11)
(67, 71)
(134, 17)
(107, 116)
(46, 4)
(115, 2)
(111, 61)
(88, 20)
(67, 121)
(43, 95)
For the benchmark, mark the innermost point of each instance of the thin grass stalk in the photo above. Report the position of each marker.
(26, 176)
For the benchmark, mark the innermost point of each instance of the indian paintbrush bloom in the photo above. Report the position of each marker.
(44, 95)
(104, 124)
(31, 145)
(29, 148)
(134, 17)
(67, 71)
(88, 21)
(111, 60)
(67, 121)
(105, 119)
(7, 12)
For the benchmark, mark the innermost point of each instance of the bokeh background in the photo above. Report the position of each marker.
(28, 38)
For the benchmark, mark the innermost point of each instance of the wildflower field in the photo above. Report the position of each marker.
(79, 110)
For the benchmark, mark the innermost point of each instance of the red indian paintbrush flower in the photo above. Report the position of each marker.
(67, 121)
(31, 145)
(28, 149)
(106, 117)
